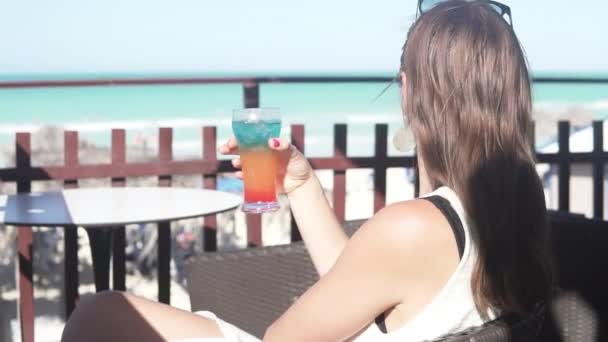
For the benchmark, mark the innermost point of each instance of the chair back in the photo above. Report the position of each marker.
(580, 310)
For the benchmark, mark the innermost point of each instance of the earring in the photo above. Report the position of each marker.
(403, 140)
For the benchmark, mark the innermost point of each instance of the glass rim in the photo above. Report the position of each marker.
(257, 113)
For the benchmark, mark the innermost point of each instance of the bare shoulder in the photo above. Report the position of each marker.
(413, 230)
(411, 221)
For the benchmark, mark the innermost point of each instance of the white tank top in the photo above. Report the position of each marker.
(452, 309)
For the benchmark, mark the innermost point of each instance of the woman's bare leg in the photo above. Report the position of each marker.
(119, 316)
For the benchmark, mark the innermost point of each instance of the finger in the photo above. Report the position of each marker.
(232, 143)
(279, 144)
(236, 163)
(230, 147)
(239, 174)
(223, 149)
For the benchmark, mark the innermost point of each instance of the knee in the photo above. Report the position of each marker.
(100, 303)
(110, 297)
(97, 310)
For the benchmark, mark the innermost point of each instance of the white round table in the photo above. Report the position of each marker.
(99, 210)
(102, 207)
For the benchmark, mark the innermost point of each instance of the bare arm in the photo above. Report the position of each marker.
(324, 237)
(364, 281)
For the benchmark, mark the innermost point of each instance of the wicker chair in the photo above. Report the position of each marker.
(253, 287)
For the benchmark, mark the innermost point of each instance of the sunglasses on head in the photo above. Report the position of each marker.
(503, 10)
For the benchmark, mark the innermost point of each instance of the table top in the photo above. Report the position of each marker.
(91, 207)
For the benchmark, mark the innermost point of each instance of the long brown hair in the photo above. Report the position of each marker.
(468, 102)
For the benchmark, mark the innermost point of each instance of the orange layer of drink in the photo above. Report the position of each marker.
(259, 175)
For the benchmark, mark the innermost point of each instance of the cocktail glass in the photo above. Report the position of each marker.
(253, 127)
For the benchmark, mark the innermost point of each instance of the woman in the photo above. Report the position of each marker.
(472, 247)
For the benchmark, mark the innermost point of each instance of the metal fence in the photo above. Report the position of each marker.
(208, 167)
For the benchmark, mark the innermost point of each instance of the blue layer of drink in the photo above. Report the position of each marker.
(255, 133)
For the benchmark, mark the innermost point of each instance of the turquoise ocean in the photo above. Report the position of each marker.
(94, 111)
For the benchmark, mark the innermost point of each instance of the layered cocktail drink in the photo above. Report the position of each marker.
(253, 127)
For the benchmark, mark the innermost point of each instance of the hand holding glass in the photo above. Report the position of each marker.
(253, 128)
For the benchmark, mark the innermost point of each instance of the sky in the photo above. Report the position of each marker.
(277, 36)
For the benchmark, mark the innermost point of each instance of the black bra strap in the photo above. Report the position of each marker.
(457, 228)
(453, 219)
(381, 323)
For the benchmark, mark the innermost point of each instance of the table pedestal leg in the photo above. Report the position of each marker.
(118, 258)
(164, 262)
(70, 269)
(99, 239)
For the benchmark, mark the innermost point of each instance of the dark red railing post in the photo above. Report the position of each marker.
(119, 157)
(71, 280)
(297, 139)
(209, 136)
(251, 93)
(380, 169)
(165, 154)
(564, 165)
(340, 152)
(254, 230)
(598, 169)
(24, 242)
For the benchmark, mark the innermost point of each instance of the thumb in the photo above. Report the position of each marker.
(278, 144)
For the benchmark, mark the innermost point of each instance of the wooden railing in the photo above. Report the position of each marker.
(24, 173)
